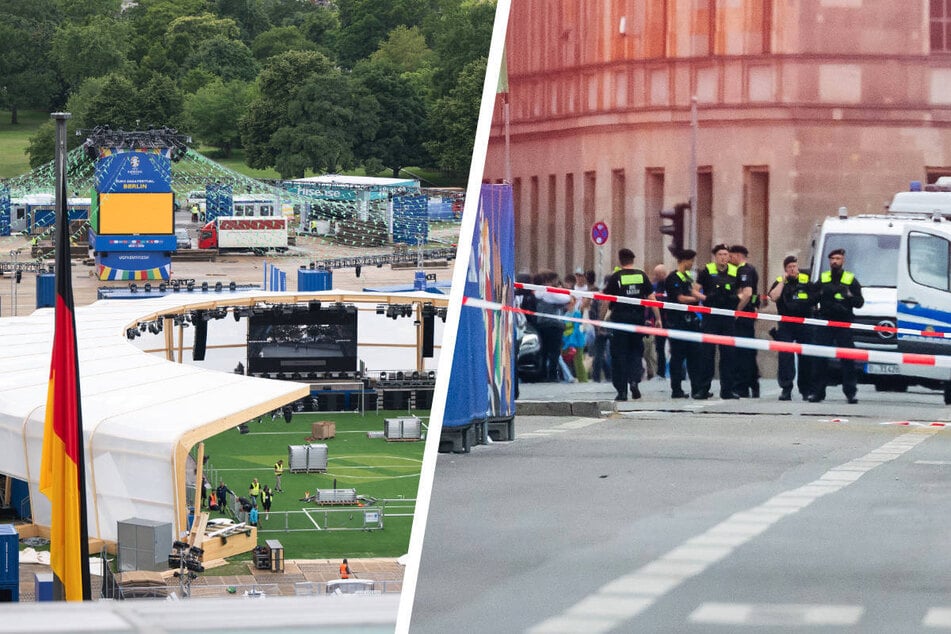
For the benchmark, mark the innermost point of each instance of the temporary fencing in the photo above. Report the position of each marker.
(707, 310)
(811, 350)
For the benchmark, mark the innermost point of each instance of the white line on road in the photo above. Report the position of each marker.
(776, 614)
(631, 594)
(938, 617)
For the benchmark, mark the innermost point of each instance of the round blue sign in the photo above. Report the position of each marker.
(599, 233)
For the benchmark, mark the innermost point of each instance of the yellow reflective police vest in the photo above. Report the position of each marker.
(846, 280)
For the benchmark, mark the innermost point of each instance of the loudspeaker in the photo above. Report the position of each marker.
(429, 322)
(201, 339)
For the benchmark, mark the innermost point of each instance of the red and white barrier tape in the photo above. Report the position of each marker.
(706, 310)
(807, 349)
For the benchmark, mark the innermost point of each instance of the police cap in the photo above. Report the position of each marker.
(837, 252)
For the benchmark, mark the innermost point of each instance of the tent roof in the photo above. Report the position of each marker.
(141, 413)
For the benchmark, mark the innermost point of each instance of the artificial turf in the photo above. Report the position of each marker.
(375, 467)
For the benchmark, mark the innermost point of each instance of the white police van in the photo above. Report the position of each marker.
(872, 244)
(924, 298)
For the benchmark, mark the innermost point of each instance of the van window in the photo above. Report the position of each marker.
(267, 210)
(928, 260)
(873, 258)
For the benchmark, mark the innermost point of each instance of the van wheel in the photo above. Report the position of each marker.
(947, 393)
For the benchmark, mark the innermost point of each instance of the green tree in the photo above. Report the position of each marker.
(93, 49)
(403, 129)
(250, 15)
(152, 19)
(79, 11)
(461, 34)
(186, 34)
(210, 113)
(280, 40)
(365, 23)
(454, 119)
(224, 58)
(27, 77)
(404, 50)
(281, 77)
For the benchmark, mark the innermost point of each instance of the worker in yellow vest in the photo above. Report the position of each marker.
(278, 472)
(254, 491)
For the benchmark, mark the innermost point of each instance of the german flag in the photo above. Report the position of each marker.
(62, 474)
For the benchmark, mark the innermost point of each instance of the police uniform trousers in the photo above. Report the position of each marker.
(787, 370)
(746, 372)
(627, 353)
(717, 325)
(840, 338)
(684, 361)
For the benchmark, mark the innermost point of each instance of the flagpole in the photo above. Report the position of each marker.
(63, 441)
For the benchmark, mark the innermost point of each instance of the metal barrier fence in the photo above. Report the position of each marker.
(197, 590)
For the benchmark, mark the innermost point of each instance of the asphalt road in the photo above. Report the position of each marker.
(713, 516)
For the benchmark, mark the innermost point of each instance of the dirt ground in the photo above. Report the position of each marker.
(240, 268)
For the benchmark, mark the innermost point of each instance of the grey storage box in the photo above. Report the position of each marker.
(402, 428)
(306, 458)
(144, 544)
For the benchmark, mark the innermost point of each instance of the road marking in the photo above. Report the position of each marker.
(776, 614)
(579, 423)
(938, 617)
(631, 594)
(937, 462)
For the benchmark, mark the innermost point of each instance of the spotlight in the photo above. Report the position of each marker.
(232, 287)
(154, 329)
(133, 287)
(218, 287)
(236, 314)
(190, 286)
(243, 428)
(432, 375)
(288, 414)
(162, 287)
(314, 305)
(131, 333)
(356, 270)
(148, 287)
(143, 327)
(204, 287)
(381, 309)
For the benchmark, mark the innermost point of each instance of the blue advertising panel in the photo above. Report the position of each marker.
(126, 265)
(131, 243)
(219, 201)
(130, 172)
(4, 211)
(410, 220)
(483, 364)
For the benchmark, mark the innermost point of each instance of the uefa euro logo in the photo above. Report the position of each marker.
(134, 162)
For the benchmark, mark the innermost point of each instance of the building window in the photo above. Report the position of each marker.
(941, 26)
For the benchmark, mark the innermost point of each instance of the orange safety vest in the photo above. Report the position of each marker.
(344, 571)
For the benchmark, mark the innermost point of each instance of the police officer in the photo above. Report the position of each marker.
(795, 296)
(627, 348)
(681, 289)
(839, 294)
(746, 375)
(718, 283)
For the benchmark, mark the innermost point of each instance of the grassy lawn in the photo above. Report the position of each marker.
(14, 140)
(375, 467)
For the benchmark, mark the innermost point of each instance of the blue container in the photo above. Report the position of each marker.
(43, 586)
(46, 290)
(314, 280)
(9, 556)
(419, 281)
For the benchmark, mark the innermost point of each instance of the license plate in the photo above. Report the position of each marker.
(882, 368)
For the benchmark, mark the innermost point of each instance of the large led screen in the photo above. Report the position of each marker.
(298, 338)
(140, 213)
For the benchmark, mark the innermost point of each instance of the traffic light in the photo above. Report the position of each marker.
(676, 228)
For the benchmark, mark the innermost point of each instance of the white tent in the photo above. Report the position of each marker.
(141, 413)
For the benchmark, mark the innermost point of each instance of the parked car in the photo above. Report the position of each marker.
(530, 363)
(182, 241)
